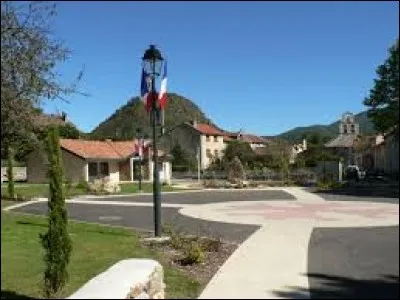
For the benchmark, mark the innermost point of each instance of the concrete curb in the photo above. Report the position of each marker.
(25, 203)
(222, 190)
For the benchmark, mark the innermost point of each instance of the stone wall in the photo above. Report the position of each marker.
(127, 279)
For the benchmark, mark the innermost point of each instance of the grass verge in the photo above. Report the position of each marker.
(27, 191)
(95, 248)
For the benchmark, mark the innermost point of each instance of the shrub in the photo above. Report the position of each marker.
(176, 241)
(56, 241)
(193, 254)
(328, 184)
(83, 185)
(236, 172)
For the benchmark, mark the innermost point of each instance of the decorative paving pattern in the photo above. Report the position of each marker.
(320, 211)
(323, 213)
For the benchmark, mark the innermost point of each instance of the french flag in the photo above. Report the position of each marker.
(145, 90)
(139, 147)
(162, 96)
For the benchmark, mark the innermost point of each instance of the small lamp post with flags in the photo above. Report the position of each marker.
(152, 66)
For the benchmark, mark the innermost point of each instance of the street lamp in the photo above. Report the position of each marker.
(152, 64)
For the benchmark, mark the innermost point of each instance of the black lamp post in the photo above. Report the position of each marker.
(152, 64)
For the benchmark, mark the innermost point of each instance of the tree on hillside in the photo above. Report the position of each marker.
(56, 242)
(383, 101)
(29, 56)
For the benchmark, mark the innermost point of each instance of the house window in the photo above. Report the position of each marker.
(104, 169)
(215, 138)
(92, 169)
(207, 138)
(216, 152)
(208, 152)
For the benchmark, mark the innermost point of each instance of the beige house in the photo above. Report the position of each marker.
(88, 160)
(205, 142)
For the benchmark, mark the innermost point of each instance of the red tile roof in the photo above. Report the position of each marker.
(227, 138)
(100, 149)
(207, 129)
(250, 138)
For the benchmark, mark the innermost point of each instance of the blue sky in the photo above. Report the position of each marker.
(264, 67)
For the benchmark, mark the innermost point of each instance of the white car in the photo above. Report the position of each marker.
(354, 169)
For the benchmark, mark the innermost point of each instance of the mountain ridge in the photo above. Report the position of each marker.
(328, 130)
(123, 123)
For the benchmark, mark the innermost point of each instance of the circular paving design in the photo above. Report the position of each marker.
(324, 213)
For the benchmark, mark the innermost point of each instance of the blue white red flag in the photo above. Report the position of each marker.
(162, 96)
(145, 90)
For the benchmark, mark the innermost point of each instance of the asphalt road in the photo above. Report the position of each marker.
(204, 197)
(141, 218)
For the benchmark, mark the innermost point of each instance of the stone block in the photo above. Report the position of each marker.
(127, 279)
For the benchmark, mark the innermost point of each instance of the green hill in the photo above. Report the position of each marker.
(328, 131)
(122, 124)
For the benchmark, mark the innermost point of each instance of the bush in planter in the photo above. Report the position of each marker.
(193, 254)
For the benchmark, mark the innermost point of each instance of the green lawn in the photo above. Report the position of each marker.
(95, 248)
(26, 190)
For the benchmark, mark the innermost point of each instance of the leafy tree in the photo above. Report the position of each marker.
(314, 154)
(56, 242)
(180, 159)
(383, 101)
(262, 160)
(10, 173)
(69, 131)
(29, 56)
(238, 149)
(316, 138)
